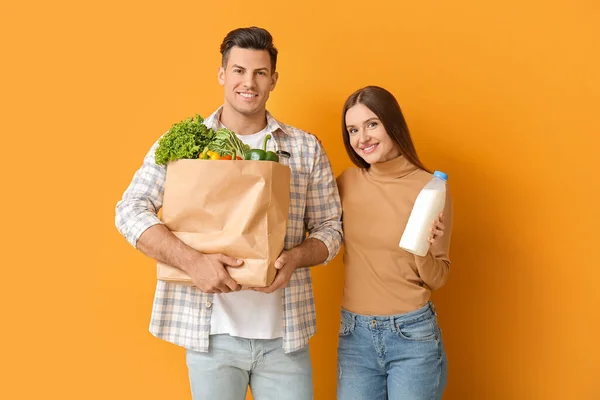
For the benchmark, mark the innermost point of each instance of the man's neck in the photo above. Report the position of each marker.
(243, 124)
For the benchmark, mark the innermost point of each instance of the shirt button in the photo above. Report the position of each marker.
(208, 304)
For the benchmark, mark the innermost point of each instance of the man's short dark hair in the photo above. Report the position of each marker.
(253, 38)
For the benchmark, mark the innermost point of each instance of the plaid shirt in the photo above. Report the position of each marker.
(181, 314)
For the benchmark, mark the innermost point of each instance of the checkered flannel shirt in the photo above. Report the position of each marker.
(181, 314)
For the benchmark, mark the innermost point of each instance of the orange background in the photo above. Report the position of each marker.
(501, 95)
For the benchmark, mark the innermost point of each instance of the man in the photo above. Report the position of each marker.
(259, 337)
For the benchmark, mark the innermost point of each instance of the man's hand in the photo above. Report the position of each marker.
(286, 264)
(208, 273)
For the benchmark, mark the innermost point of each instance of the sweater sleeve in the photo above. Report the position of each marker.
(434, 267)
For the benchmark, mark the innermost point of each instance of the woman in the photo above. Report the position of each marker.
(390, 346)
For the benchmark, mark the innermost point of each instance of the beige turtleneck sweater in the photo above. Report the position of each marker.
(381, 278)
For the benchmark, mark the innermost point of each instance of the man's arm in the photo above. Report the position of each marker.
(323, 218)
(207, 271)
(137, 210)
(323, 221)
(136, 219)
(159, 243)
(310, 253)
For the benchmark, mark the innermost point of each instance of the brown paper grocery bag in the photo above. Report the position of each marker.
(237, 208)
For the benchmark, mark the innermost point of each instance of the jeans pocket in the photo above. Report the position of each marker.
(345, 328)
(346, 325)
(420, 330)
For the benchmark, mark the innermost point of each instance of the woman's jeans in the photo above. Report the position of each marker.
(399, 357)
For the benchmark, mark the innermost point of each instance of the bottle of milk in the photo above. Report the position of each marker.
(428, 206)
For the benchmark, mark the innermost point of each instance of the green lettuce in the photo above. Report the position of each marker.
(185, 139)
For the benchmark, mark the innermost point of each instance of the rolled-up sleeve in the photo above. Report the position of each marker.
(323, 218)
(138, 208)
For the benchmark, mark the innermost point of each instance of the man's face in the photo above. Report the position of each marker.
(248, 80)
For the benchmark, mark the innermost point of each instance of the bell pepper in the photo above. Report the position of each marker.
(213, 155)
(271, 156)
(262, 154)
(209, 155)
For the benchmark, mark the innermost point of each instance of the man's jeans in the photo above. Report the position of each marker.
(233, 363)
(398, 357)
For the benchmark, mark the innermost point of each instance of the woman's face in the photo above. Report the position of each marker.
(368, 137)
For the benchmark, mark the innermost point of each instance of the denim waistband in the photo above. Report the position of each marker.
(388, 321)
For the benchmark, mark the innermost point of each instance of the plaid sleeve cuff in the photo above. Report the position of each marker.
(331, 238)
(131, 223)
(140, 225)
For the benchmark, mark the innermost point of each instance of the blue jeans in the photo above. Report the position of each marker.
(232, 364)
(399, 357)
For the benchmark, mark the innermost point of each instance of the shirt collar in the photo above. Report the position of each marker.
(212, 121)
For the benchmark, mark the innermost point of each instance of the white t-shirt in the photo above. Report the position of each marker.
(248, 314)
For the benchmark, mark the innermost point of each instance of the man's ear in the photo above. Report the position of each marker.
(274, 79)
(221, 76)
